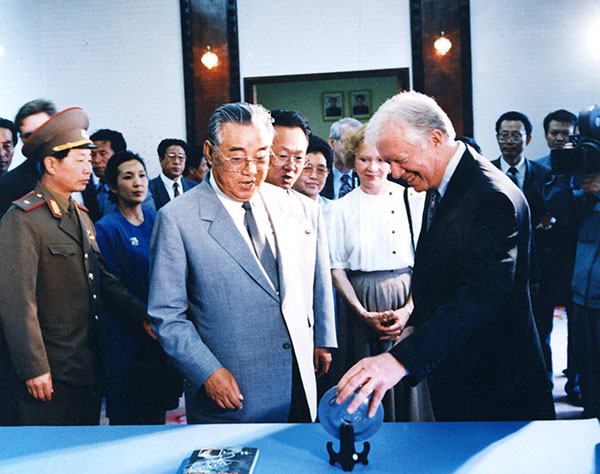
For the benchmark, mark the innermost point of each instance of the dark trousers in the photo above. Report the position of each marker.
(299, 411)
(586, 337)
(69, 406)
(543, 312)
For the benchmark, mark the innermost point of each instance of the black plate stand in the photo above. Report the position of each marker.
(347, 457)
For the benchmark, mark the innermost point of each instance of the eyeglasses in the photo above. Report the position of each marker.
(515, 137)
(236, 164)
(175, 156)
(282, 159)
(321, 170)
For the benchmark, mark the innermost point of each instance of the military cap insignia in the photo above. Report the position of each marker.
(54, 208)
(29, 201)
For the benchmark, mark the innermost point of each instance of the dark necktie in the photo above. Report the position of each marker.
(261, 246)
(433, 198)
(176, 189)
(512, 174)
(346, 186)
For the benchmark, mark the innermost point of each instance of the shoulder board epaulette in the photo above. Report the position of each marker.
(30, 201)
(82, 207)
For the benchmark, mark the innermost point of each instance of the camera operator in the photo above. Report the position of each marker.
(581, 207)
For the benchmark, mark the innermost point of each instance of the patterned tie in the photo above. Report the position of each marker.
(433, 198)
(261, 246)
(512, 174)
(346, 186)
(176, 189)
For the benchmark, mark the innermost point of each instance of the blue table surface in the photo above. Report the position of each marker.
(509, 447)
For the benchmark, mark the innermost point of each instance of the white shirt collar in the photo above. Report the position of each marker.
(505, 166)
(169, 183)
(451, 168)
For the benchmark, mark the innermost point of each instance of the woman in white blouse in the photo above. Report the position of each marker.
(372, 234)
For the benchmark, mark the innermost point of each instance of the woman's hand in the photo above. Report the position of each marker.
(388, 324)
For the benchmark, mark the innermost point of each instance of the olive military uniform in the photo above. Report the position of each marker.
(53, 279)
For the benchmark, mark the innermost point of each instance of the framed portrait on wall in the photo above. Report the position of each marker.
(332, 104)
(360, 103)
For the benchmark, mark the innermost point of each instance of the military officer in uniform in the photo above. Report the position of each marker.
(52, 278)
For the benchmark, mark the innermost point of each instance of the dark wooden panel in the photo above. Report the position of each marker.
(447, 78)
(208, 23)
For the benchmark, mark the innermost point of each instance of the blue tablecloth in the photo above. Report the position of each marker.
(538, 447)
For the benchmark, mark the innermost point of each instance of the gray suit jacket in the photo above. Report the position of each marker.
(212, 306)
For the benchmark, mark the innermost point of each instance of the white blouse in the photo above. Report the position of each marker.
(371, 232)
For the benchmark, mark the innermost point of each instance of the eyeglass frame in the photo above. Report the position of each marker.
(283, 161)
(320, 172)
(510, 136)
(247, 161)
(174, 156)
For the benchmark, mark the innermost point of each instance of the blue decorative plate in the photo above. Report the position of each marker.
(332, 416)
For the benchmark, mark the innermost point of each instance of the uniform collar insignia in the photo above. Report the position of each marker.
(55, 208)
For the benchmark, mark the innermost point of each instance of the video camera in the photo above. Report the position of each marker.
(584, 156)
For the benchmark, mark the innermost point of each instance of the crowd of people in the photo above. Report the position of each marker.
(256, 272)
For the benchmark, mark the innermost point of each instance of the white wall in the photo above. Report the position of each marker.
(121, 59)
(534, 57)
(283, 37)
(118, 59)
(21, 67)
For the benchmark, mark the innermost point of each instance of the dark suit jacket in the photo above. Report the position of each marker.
(20, 181)
(160, 194)
(536, 175)
(475, 335)
(327, 190)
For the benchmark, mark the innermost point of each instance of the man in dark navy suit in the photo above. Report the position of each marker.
(172, 154)
(513, 132)
(342, 179)
(475, 338)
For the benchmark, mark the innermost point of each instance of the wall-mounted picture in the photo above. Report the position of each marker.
(360, 103)
(333, 105)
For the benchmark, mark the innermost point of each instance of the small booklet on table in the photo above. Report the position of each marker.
(222, 461)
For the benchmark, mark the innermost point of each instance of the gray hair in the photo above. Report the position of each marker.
(416, 113)
(335, 132)
(241, 113)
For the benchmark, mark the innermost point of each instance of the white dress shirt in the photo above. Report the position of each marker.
(521, 169)
(237, 213)
(169, 185)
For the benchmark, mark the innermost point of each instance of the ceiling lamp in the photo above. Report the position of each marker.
(442, 45)
(209, 59)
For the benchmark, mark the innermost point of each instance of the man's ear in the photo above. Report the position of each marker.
(527, 140)
(437, 137)
(207, 154)
(50, 164)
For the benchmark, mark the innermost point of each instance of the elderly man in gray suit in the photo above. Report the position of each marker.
(240, 293)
